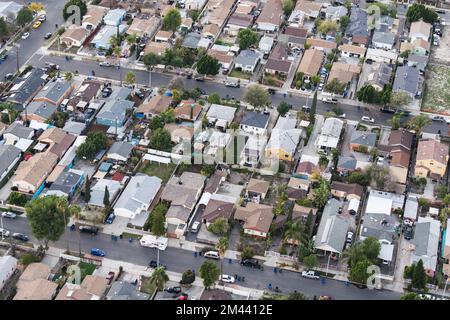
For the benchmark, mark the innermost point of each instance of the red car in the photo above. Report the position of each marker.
(110, 277)
(183, 296)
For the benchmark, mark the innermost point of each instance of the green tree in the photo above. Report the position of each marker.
(400, 99)
(222, 247)
(257, 96)
(335, 86)
(130, 78)
(247, 253)
(24, 16)
(48, 217)
(344, 22)
(288, 6)
(4, 30)
(151, 59)
(157, 226)
(358, 272)
(368, 94)
(371, 248)
(327, 26)
(187, 277)
(310, 261)
(395, 121)
(79, 3)
(214, 98)
(208, 65)
(283, 108)
(156, 123)
(296, 296)
(219, 227)
(321, 193)
(106, 201)
(68, 76)
(87, 190)
(418, 123)
(354, 254)
(194, 14)
(247, 38)
(159, 278)
(419, 278)
(209, 272)
(160, 140)
(93, 144)
(172, 20)
(293, 232)
(418, 11)
(411, 296)
(405, 54)
(168, 116)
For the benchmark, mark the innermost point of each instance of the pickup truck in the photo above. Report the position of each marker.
(330, 100)
(310, 274)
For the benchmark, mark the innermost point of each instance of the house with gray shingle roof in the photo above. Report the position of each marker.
(66, 184)
(17, 131)
(9, 157)
(362, 138)
(247, 60)
(54, 92)
(357, 24)
(332, 230)
(122, 290)
(346, 164)
(383, 40)
(40, 111)
(408, 80)
(255, 122)
(426, 242)
(120, 151)
(114, 112)
(25, 88)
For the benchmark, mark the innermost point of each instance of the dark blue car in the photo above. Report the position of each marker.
(97, 252)
(111, 218)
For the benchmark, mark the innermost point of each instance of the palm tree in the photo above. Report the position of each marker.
(117, 52)
(222, 247)
(418, 123)
(395, 122)
(159, 278)
(68, 76)
(354, 254)
(293, 232)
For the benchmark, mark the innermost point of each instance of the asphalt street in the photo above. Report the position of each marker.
(36, 39)
(178, 260)
(163, 79)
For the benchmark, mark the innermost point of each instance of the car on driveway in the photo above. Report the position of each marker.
(367, 119)
(97, 252)
(227, 278)
(195, 226)
(111, 218)
(9, 214)
(310, 274)
(20, 236)
(408, 233)
(37, 24)
(349, 238)
(4, 232)
(154, 264)
(25, 36)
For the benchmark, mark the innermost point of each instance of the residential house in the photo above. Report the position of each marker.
(349, 50)
(144, 27)
(220, 116)
(58, 140)
(357, 24)
(93, 17)
(382, 56)
(383, 40)
(39, 111)
(311, 62)
(153, 107)
(322, 45)
(431, 159)
(102, 39)
(255, 122)
(120, 151)
(74, 36)
(380, 202)
(247, 60)
(55, 92)
(426, 243)
(346, 165)
(332, 231)
(33, 284)
(271, 16)
(256, 218)
(330, 134)
(122, 290)
(98, 192)
(192, 40)
(9, 157)
(283, 140)
(379, 76)
(9, 10)
(278, 63)
(137, 196)
(17, 131)
(225, 59)
(344, 72)
(347, 190)
(420, 30)
(114, 17)
(411, 208)
(179, 133)
(158, 48)
(335, 13)
(408, 80)
(25, 88)
(92, 288)
(360, 40)
(194, 4)
(8, 265)
(87, 92)
(216, 209)
(305, 169)
(361, 140)
(304, 9)
(253, 150)
(114, 113)
(257, 189)
(31, 174)
(294, 36)
(163, 36)
(419, 47)
(182, 193)
(246, 6)
(188, 110)
(418, 61)
(266, 44)
(211, 31)
(237, 22)
(66, 184)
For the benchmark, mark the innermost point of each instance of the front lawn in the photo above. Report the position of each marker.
(147, 286)
(160, 170)
(86, 269)
(240, 74)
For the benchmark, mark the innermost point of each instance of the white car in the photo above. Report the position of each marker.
(349, 237)
(9, 214)
(310, 274)
(195, 226)
(367, 119)
(104, 64)
(4, 232)
(342, 115)
(227, 278)
(25, 36)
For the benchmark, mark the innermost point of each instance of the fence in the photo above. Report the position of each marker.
(273, 254)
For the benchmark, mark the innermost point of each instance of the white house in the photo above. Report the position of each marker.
(382, 56)
(255, 122)
(8, 265)
(381, 202)
(221, 116)
(247, 60)
(330, 134)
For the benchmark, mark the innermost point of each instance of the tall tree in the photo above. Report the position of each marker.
(288, 6)
(36, 6)
(293, 232)
(151, 59)
(310, 261)
(371, 247)
(222, 247)
(214, 98)
(419, 278)
(161, 140)
(24, 16)
(283, 108)
(247, 38)
(400, 99)
(106, 201)
(159, 278)
(358, 273)
(130, 78)
(172, 20)
(418, 11)
(418, 123)
(219, 227)
(4, 31)
(209, 272)
(321, 193)
(48, 217)
(208, 65)
(87, 190)
(257, 96)
(158, 220)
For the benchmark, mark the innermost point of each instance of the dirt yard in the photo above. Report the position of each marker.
(439, 53)
(437, 93)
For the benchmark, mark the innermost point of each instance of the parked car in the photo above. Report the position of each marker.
(42, 18)
(25, 36)
(9, 76)
(226, 278)
(408, 233)
(154, 264)
(37, 24)
(271, 91)
(9, 214)
(438, 118)
(199, 78)
(110, 277)
(111, 218)
(48, 35)
(173, 289)
(105, 64)
(97, 252)
(212, 255)
(310, 274)
(20, 236)
(4, 232)
(325, 298)
(367, 119)
(89, 229)
(232, 84)
(183, 296)
(341, 115)
(195, 226)
(349, 238)
(139, 94)
(253, 263)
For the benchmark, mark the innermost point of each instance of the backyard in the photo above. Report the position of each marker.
(163, 171)
(437, 92)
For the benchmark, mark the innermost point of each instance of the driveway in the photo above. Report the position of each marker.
(403, 259)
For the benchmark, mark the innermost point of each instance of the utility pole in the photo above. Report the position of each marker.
(17, 58)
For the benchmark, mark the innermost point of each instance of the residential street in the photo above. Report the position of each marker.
(159, 79)
(178, 260)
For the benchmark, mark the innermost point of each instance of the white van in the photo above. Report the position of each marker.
(212, 255)
(154, 242)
